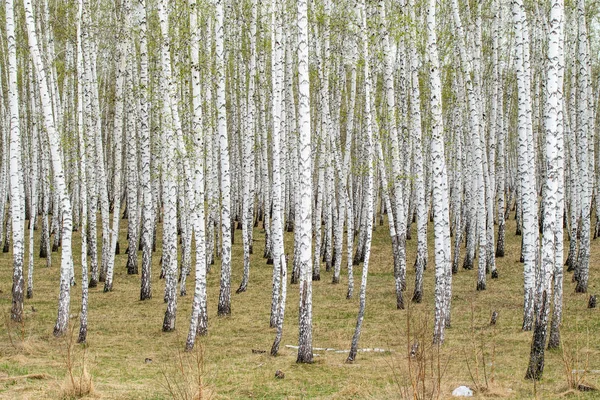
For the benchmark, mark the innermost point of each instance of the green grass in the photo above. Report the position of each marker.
(123, 332)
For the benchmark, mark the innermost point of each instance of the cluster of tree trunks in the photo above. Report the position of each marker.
(313, 118)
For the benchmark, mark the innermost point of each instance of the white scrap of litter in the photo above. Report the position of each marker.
(462, 391)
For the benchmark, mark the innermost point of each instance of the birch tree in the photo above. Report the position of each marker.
(552, 226)
(415, 117)
(17, 195)
(145, 179)
(526, 170)
(368, 149)
(199, 319)
(440, 199)
(82, 135)
(224, 307)
(583, 134)
(169, 186)
(304, 228)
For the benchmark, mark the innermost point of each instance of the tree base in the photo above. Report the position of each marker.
(580, 288)
(417, 297)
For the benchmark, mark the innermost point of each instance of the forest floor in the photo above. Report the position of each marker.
(129, 357)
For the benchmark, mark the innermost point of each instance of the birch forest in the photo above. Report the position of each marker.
(318, 199)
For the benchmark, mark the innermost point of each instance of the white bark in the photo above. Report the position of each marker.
(369, 206)
(277, 103)
(248, 155)
(199, 319)
(34, 171)
(583, 149)
(525, 172)
(552, 226)
(224, 307)
(82, 139)
(17, 195)
(440, 184)
(397, 173)
(169, 186)
(59, 175)
(124, 47)
(145, 181)
(415, 120)
(305, 190)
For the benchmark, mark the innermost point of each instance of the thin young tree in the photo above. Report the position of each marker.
(368, 160)
(82, 136)
(145, 178)
(121, 92)
(415, 118)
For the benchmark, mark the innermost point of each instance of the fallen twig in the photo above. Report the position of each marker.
(28, 376)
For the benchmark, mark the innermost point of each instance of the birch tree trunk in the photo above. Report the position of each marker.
(440, 185)
(199, 319)
(248, 154)
(399, 211)
(552, 227)
(415, 118)
(17, 195)
(278, 124)
(224, 307)
(145, 180)
(83, 195)
(368, 149)
(35, 137)
(304, 228)
(169, 189)
(527, 178)
(124, 47)
(583, 134)
(59, 176)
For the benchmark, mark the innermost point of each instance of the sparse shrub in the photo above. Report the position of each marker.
(423, 365)
(78, 381)
(184, 380)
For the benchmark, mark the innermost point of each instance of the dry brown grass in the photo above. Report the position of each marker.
(76, 387)
(78, 382)
(123, 332)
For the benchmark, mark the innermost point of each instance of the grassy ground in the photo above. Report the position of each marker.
(124, 332)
